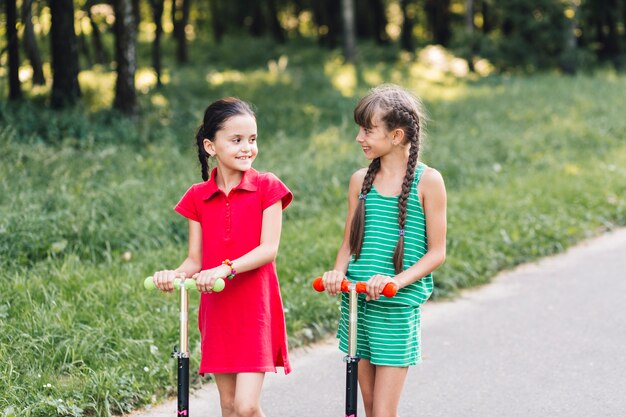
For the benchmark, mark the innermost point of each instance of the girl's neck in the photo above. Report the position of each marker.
(394, 164)
(227, 179)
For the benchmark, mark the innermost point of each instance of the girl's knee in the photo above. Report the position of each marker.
(247, 409)
(227, 405)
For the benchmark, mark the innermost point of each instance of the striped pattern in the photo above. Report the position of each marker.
(380, 239)
(388, 336)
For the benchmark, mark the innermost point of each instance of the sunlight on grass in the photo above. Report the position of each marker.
(159, 100)
(342, 76)
(98, 88)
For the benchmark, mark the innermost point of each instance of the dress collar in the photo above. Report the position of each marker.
(248, 182)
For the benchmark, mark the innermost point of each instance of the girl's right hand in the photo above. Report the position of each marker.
(332, 281)
(164, 280)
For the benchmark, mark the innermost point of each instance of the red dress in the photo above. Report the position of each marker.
(242, 328)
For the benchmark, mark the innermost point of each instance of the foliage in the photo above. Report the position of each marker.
(532, 164)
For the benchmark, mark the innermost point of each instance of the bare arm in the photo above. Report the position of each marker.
(332, 279)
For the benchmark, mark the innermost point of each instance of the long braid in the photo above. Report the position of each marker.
(412, 131)
(358, 220)
(203, 156)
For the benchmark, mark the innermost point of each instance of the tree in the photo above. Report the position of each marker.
(219, 27)
(100, 54)
(406, 35)
(157, 16)
(180, 18)
(438, 12)
(15, 91)
(568, 62)
(30, 44)
(65, 88)
(327, 15)
(469, 32)
(125, 56)
(349, 34)
(371, 20)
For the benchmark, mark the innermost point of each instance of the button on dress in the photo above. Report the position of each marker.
(242, 328)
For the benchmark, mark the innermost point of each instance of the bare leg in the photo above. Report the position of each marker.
(226, 384)
(248, 394)
(388, 385)
(367, 377)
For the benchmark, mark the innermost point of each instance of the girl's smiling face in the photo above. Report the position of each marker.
(375, 140)
(234, 146)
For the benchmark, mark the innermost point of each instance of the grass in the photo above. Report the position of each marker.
(532, 164)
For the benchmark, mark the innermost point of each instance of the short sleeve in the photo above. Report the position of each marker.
(187, 205)
(274, 190)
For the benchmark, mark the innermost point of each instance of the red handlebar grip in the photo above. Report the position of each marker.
(389, 291)
(318, 284)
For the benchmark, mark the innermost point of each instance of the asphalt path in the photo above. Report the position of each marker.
(546, 339)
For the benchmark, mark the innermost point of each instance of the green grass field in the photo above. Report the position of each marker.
(532, 164)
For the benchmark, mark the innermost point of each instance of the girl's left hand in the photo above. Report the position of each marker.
(205, 280)
(375, 286)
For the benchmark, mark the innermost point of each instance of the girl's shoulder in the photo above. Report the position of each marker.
(265, 179)
(431, 179)
(357, 177)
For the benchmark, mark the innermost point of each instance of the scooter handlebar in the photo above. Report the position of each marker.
(389, 291)
(190, 284)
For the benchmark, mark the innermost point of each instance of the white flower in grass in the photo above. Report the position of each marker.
(497, 167)
(146, 369)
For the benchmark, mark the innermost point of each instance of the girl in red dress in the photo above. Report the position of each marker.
(235, 219)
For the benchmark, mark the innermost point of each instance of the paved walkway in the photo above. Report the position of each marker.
(547, 339)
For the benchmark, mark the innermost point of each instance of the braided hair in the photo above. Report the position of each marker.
(398, 109)
(214, 118)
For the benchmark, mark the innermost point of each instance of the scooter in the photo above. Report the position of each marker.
(351, 359)
(182, 353)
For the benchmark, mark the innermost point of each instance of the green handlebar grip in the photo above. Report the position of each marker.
(190, 284)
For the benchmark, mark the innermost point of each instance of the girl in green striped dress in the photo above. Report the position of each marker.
(395, 232)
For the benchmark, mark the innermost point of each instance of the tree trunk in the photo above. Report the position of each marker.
(349, 35)
(326, 14)
(30, 44)
(380, 21)
(218, 23)
(82, 46)
(65, 88)
(406, 36)
(275, 28)
(180, 18)
(568, 61)
(15, 91)
(125, 56)
(469, 31)
(157, 16)
(486, 12)
(438, 12)
(100, 54)
(257, 28)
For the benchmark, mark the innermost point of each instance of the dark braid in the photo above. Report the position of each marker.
(358, 221)
(412, 132)
(203, 156)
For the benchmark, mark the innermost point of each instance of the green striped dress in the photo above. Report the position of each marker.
(388, 328)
